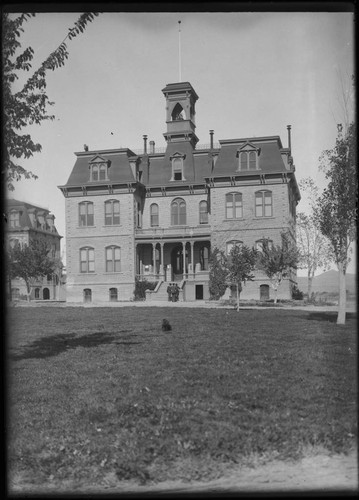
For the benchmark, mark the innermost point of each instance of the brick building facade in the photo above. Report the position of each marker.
(25, 223)
(157, 214)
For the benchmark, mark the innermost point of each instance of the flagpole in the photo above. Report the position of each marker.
(179, 49)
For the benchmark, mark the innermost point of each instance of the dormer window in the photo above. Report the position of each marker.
(177, 167)
(14, 219)
(98, 169)
(248, 157)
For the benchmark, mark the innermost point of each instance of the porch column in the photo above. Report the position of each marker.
(192, 256)
(184, 257)
(162, 268)
(154, 258)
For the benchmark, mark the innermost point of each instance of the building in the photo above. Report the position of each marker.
(156, 214)
(26, 222)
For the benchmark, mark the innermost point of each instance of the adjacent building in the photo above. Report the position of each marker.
(156, 214)
(24, 223)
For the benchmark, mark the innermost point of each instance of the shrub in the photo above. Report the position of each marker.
(296, 293)
(141, 286)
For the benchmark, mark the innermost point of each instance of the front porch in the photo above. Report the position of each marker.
(173, 260)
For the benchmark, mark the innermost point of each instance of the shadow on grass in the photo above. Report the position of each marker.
(55, 345)
(329, 316)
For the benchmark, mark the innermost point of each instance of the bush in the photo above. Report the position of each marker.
(141, 287)
(296, 293)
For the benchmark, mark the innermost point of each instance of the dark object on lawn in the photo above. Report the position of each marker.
(166, 327)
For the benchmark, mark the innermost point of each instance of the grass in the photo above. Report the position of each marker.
(97, 396)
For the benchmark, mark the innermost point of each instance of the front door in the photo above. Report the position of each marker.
(177, 262)
(46, 294)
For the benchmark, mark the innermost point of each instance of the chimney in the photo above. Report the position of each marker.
(145, 144)
(211, 134)
(86, 148)
(152, 147)
(289, 139)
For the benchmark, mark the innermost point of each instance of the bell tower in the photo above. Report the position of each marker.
(180, 113)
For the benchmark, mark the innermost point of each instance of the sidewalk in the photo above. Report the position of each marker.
(351, 308)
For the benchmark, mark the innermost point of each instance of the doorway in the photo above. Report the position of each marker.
(46, 294)
(264, 292)
(199, 292)
(177, 262)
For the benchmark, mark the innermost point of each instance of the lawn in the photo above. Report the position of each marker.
(101, 395)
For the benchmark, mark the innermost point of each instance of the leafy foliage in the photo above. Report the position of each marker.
(141, 286)
(337, 207)
(30, 104)
(31, 262)
(240, 266)
(277, 261)
(217, 274)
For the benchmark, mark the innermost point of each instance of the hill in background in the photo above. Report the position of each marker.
(328, 282)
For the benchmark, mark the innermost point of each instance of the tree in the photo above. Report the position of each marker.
(31, 262)
(277, 261)
(217, 274)
(30, 104)
(241, 263)
(314, 247)
(337, 206)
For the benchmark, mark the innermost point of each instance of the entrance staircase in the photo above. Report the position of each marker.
(160, 293)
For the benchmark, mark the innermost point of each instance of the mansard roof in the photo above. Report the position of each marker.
(24, 210)
(270, 158)
(119, 170)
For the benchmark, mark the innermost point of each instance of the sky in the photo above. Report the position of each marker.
(255, 73)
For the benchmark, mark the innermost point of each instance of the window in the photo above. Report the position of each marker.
(98, 171)
(248, 160)
(113, 259)
(154, 214)
(37, 293)
(259, 245)
(234, 207)
(86, 213)
(14, 219)
(178, 212)
(203, 212)
(177, 113)
(112, 212)
(87, 295)
(231, 244)
(87, 260)
(177, 166)
(264, 204)
(113, 294)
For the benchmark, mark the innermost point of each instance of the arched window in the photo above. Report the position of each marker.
(203, 212)
(112, 212)
(87, 260)
(87, 294)
(234, 206)
(178, 212)
(263, 206)
(113, 259)
(231, 244)
(177, 113)
(154, 215)
(86, 213)
(37, 293)
(248, 160)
